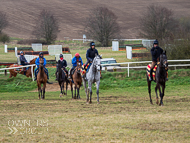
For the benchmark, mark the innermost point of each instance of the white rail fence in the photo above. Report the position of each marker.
(139, 67)
(124, 63)
(22, 67)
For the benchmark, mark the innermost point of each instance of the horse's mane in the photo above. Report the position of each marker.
(33, 60)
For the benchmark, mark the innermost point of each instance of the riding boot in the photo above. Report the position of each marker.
(150, 79)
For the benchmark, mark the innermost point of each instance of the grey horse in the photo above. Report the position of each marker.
(92, 76)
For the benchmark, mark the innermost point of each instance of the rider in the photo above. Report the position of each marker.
(63, 65)
(75, 59)
(155, 52)
(90, 54)
(23, 60)
(37, 62)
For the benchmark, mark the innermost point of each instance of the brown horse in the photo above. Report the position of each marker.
(41, 79)
(28, 72)
(77, 80)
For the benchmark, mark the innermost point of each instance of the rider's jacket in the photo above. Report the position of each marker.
(155, 52)
(75, 60)
(90, 54)
(37, 62)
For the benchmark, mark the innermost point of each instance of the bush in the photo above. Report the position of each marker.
(4, 38)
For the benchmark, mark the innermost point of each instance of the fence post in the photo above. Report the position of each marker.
(16, 51)
(128, 69)
(32, 73)
(5, 48)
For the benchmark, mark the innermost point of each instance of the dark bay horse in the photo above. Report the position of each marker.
(77, 78)
(41, 79)
(62, 79)
(160, 78)
(28, 71)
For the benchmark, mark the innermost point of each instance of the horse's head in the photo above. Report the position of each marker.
(163, 60)
(79, 67)
(41, 62)
(97, 62)
(32, 61)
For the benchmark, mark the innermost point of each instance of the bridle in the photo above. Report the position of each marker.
(97, 66)
(79, 68)
(163, 62)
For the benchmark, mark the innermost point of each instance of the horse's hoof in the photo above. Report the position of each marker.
(90, 102)
(98, 102)
(87, 102)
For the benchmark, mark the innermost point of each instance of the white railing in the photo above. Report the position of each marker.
(22, 67)
(128, 63)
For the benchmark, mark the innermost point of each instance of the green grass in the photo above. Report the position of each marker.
(123, 115)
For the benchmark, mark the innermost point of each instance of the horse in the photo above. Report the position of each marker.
(62, 78)
(28, 72)
(92, 76)
(41, 79)
(77, 79)
(160, 78)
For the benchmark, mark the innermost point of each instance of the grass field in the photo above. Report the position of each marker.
(123, 115)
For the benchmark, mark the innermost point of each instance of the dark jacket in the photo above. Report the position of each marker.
(22, 59)
(63, 63)
(90, 54)
(156, 52)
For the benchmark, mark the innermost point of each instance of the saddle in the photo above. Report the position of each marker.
(18, 69)
(153, 72)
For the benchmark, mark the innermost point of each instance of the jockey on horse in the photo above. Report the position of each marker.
(23, 60)
(155, 52)
(90, 54)
(37, 62)
(63, 65)
(75, 59)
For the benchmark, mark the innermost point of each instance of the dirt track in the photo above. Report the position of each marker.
(53, 87)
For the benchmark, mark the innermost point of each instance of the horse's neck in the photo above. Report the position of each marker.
(41, 71)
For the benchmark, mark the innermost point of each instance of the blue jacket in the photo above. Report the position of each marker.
(37, 62)
(90, 54)
(75, 60)
(155, 52)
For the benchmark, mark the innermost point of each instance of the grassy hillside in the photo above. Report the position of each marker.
(22, 15)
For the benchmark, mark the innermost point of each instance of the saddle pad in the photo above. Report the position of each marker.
(154, 71)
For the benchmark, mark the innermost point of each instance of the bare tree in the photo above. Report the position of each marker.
(157, 23)
(102, 25)
(3, 21)
(46, 27)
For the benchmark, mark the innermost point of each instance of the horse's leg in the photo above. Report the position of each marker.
(66, 88)
(87, 97)
(90, 90)
(75, 91)
(97, 90)
(63, 88)
(39, 89)
(157, 87)
(162, 95)
(61, 94)
(71, 88)
(149, 89)
(44, 87)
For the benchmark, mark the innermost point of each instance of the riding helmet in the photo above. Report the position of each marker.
(21, 52)
(61, 56)
(77, 55)
(92, 44)
(156, 42)
(41, 53)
